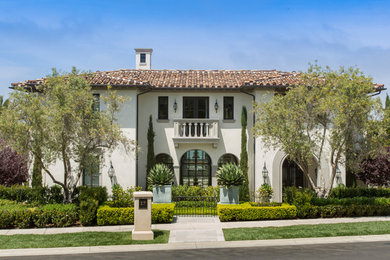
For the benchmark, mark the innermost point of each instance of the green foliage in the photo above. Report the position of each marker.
(244, 188)
(195, 191)
(160, 174)
(36, 174)
(245, 212)
(151, 159)
(350, 201)
(266, 204)
(22, 216)
(344, 192)
(265, 192)
(327, 115)
(58, 123)
(96, 193)
(39, 195)
(229, 175)
(121, 197)
(106, 215)
(297, 197)
(88, 210)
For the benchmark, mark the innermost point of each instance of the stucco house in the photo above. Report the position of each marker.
(197, 120)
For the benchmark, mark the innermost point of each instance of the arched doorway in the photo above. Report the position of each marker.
(165, 159)
(292, 175)
(195, 168)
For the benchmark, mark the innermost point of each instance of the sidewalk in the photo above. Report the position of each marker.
(194, 232)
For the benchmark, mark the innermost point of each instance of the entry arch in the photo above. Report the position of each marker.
(195, 168)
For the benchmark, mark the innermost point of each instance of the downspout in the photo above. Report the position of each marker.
(254, 142)
(136, 136)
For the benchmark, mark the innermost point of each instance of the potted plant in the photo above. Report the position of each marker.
(229, 178)
(161, 177)
(265, 192)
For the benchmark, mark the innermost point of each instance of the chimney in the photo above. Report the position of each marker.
(143, 59)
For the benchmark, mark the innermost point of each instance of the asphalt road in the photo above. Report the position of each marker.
(376, 250)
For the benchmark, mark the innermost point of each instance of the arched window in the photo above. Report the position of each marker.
(292, 175)
(195, 168)
(165, 159)
(227, 158)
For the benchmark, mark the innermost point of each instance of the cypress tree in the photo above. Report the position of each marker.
(244, 188)
(151, 160)
(387, 103)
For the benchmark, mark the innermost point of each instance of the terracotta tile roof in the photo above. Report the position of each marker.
(190, 79)
(228, 79)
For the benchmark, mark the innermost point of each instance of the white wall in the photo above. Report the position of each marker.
(230, 132)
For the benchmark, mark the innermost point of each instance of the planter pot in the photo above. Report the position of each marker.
(162, 194)
(229, 195)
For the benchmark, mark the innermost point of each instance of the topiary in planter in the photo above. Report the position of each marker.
(229, 177)
(161, 177)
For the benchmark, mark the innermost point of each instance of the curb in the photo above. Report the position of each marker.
(195, 245)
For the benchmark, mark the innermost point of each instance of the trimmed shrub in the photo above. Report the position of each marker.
(246, 212)
(344, 192)
(308, 211)
(106, 215)
(61, 215)
(96, 193)
(163, 213)
(39, 195)
(351, 201)
(266, 204)
(195, 191)
(88, 209)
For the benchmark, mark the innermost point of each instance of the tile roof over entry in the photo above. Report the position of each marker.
(180, 79)
(189, 79)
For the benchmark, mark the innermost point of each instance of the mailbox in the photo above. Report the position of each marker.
(142, 216)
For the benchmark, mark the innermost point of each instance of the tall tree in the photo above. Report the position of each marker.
(151, 159)
(387, 102)
(328, 115)
(59, 118)
(244, 188)
(13, 167)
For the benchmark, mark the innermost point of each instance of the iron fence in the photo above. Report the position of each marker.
(195, 206)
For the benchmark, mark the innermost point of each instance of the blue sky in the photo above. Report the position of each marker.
(101, 35)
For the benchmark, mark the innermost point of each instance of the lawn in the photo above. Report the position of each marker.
(78, 239)
(301, 231)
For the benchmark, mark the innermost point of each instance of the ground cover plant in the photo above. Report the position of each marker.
(302, 231)
(78, 239)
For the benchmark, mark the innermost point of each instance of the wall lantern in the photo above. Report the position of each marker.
(265, 173)
(175, 106)
(216, 106)
(111, 172)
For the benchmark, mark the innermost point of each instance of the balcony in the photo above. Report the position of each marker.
(196, 131)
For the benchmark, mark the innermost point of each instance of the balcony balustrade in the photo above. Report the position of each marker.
(196, 131)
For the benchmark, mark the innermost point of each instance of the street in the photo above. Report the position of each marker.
(376, 250)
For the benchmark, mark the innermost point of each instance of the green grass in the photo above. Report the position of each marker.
(78, 239)
(301, 231)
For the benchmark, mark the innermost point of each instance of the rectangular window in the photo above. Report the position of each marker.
(142, 57)
(96, 102)
(91, 173)
(162, 107)
(228, 108)
(195, 107)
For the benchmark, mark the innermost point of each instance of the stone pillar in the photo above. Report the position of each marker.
(142, 216)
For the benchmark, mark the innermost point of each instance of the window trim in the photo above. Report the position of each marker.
(224, 102)
(158, 108)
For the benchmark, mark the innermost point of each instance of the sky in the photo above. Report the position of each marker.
(38, 35)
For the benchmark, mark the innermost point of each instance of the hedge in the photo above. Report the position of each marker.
(106, 215)
(42, 195)
(24, 216)
(344, 192)
(350, 201)
(337, 211)
(247, 212)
